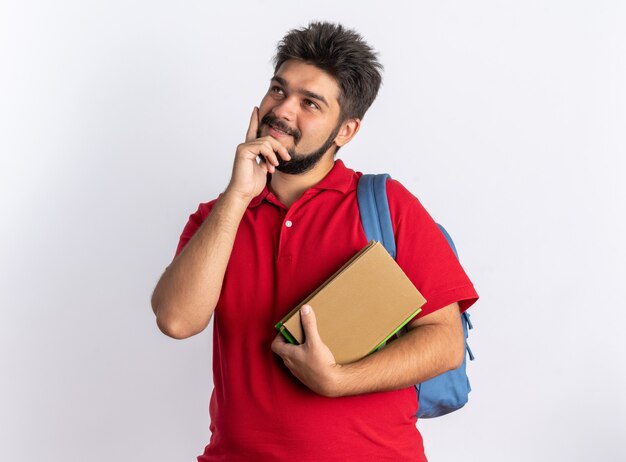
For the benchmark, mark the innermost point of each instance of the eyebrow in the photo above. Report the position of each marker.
(302, 91)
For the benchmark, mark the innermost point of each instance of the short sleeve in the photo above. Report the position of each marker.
(195, 221)
(425, 255)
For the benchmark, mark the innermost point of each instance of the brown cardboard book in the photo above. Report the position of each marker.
(359, 307)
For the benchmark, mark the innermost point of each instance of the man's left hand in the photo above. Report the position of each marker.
(311, 362)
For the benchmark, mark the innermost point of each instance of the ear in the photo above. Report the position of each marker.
(348, 129)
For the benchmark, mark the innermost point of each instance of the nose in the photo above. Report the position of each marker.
(285, 109)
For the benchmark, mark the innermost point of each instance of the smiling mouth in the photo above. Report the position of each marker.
(278, 128)
(279, 131)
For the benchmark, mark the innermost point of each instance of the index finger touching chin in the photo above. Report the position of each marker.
(253, 126)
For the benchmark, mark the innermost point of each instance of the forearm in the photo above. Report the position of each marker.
(425, 351)
(186, 294)
(433, 345)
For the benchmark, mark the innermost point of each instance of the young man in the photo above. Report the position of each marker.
(287, 220)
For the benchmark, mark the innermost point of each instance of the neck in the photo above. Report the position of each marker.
(289, 188)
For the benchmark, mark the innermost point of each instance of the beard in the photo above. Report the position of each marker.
(299, 163)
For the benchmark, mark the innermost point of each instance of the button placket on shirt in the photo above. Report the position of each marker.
(290, 226)
(286, 235)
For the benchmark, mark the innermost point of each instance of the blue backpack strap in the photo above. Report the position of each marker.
(449, 239)
(374, 209)
(446, 392)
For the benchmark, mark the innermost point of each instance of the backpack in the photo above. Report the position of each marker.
(446, 392)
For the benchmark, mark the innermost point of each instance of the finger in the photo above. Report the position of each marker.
(282, 151)
(267, 150)
(309, 325)
(264, 164)
(280, 345)
(253, 126)
(269, 168)
(277, 147)
(268, 146)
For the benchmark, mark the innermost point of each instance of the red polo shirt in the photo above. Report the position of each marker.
(259, 411)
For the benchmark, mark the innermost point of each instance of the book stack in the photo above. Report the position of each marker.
(361, 306)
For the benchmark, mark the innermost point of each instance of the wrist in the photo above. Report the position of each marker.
(236, 198)
(336, 385)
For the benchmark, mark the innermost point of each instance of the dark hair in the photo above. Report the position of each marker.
(343, 54)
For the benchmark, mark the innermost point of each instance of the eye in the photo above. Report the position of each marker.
(277, 90)
(310, 104)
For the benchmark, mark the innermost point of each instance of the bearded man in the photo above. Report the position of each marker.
(287, 220)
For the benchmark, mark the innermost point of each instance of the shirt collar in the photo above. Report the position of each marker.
(258, 199)
(340, 178)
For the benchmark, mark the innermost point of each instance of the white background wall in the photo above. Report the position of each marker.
(117, 118)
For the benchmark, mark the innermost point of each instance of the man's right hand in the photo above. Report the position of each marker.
(249, 175)
(187, 293)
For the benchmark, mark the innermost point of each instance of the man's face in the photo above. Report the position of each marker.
(301, 110)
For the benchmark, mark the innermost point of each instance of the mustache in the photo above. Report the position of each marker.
(271, 120)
